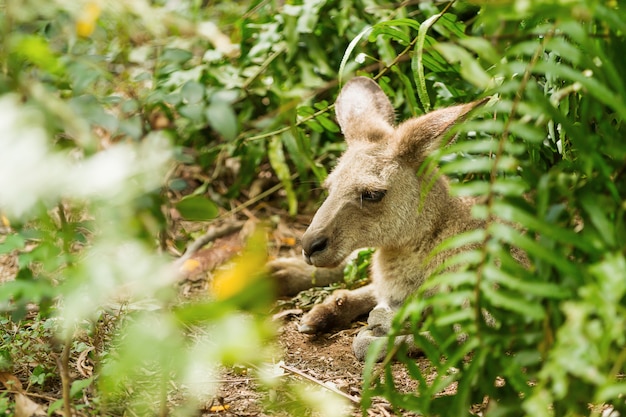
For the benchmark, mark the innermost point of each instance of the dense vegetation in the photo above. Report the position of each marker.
(102, 103)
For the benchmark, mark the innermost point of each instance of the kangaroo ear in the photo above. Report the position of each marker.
(363, 111)
(418, 137)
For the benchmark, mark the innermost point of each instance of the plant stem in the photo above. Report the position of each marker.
(63, 364)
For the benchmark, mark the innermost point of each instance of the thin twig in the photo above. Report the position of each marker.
(259, 197)
(317, 381)
(226, 229)
(29, 394)
(209, 236)
(263, 67)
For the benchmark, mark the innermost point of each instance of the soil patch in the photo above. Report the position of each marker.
(323, 361)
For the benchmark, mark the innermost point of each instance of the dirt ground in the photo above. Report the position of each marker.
(321, 361)
(324, 362)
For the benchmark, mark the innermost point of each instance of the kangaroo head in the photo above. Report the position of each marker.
(374, 193)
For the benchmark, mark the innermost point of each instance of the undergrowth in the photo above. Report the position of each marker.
(122, 120)
(547, 163)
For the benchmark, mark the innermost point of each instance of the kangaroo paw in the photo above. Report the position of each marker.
(338, 310)
(333, 312)
(291, 275)
(378, 326)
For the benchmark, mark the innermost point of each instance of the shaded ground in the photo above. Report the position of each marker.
(326, 358)
(323, 362)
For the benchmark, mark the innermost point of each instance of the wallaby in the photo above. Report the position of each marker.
(377, 199)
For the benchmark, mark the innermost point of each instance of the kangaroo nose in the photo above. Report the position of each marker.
(310, 247)
(318, 245)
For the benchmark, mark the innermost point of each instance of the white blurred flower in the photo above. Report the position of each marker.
(28, 170)
(201, 373)
(31, 171)
(323, 402)
(115, 274)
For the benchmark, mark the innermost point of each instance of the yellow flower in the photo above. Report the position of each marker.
(86, 22)
(248, 267)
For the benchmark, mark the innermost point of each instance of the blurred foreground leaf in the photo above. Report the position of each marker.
(197, 208)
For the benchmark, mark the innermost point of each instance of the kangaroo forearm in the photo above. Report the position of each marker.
(322, 277)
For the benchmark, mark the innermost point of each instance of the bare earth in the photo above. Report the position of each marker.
(321, 361)
(324, 362)
(327, 359)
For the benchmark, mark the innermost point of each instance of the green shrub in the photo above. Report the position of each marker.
(549, 161)
(99, 101)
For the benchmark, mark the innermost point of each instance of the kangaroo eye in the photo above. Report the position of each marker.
(373, 196)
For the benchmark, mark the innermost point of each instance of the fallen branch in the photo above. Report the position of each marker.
(209, 236)
(295, 371)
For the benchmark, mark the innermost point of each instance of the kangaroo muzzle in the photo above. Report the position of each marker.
(312, 246)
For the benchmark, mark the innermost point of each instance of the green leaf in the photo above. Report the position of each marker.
(328, 124)
(512, 301)
(413, 24)
(392, 32)
(533, 248)
(462, 239)
(483, 48)
(598, 90)
(471, 70)
(91, 109)
(459, 261)
(223, 119)
(610, 272)
(513, 187)
(417, 62)
(406, 81)
(611, 391)
(524, 284)
(517, 215)
(565, 49)
(349, 49)
(450, 279)
(474, 146)
(176, 55)
(57, 405)
(197, 208)
(192, 92)
(11, 243)
(36, 50)
(79, 385)
(527, 131)
(596, 212)
(469, 165)
(279, 164)
(451, 27)
(454, 317)
(471, 188)
(454, 299)
(194, 112)
(298, 155)
(474, 370)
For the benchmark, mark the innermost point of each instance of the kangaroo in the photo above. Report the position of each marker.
(377, 199)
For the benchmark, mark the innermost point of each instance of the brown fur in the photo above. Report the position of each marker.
(414, 213)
